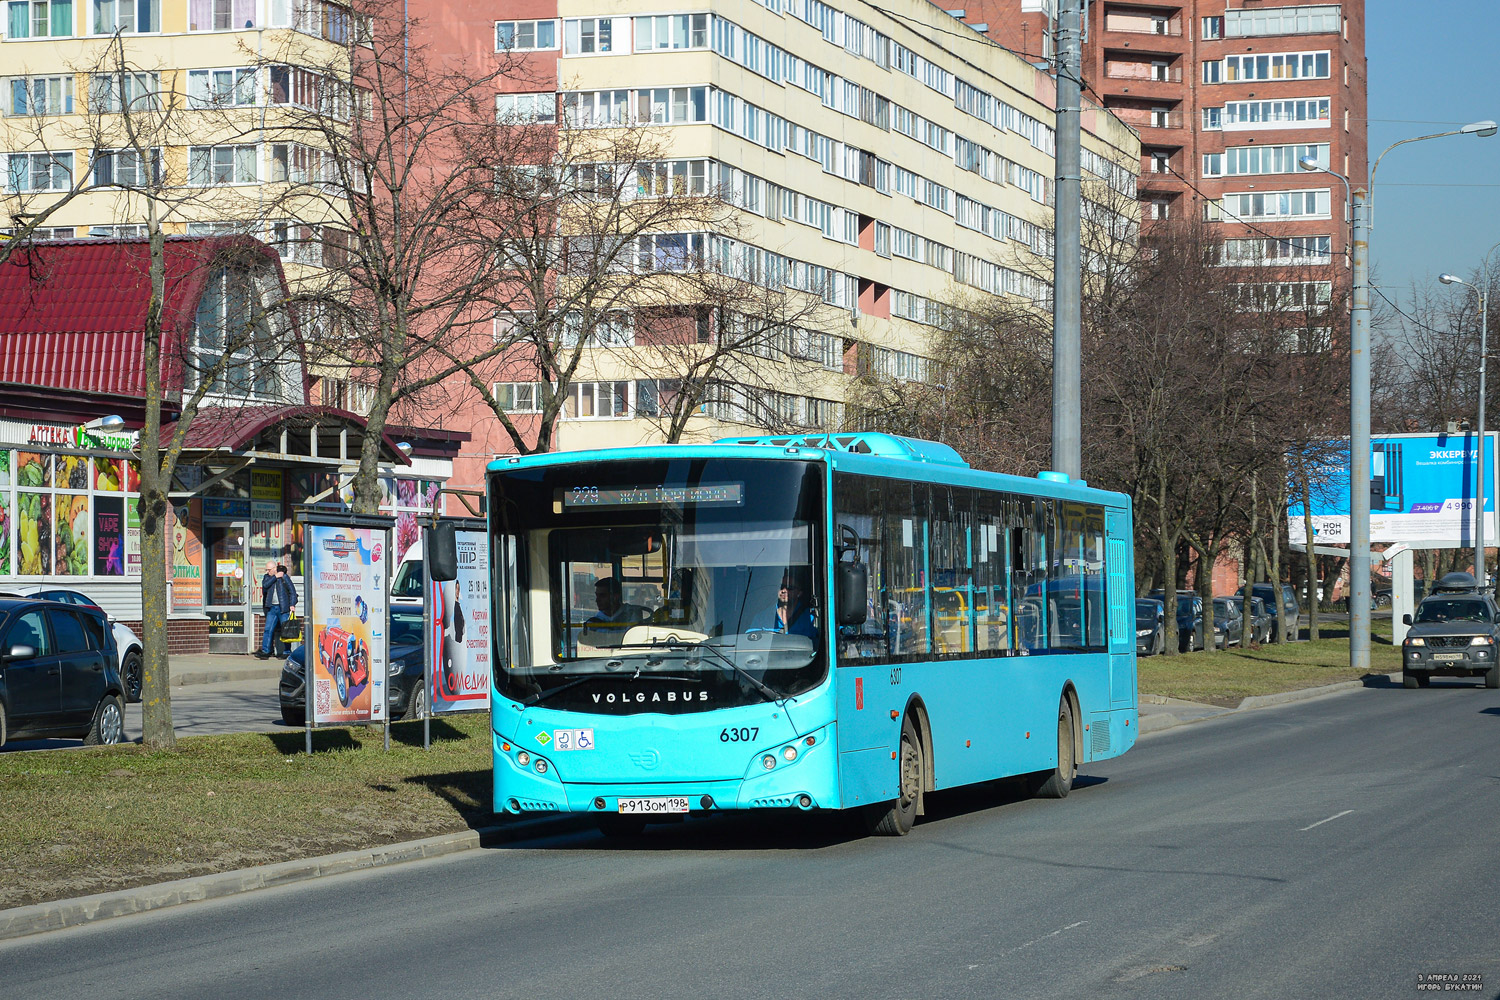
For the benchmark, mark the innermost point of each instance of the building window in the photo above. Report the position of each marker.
(526, 108)
(597, 401)
(589, 36)
(111, 93)
(1213, 71)
(40, 95)
(1251, 160)
(1159, 208)
(1251, 22)
(1265, 296)
(670, 251)
(525, 36)
(1161, 161)
(221, 88)
(126, 168)
(127, 16)
(518, 397)
(38, 171)
(1213, 27)
(1312, 112)
(39, 19)
(1276, 205)
(131, 232)
(219, 15)
(230, 321)
(656, 397)
(1276, 66)
(674, 31)
(212, 166)
(1213, 119)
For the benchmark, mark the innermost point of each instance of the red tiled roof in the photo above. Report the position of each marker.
(72, 312)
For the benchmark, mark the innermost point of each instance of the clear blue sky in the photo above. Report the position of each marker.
(1437, 203)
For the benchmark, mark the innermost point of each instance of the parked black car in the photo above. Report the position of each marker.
(1293, 611)
(59, 673)
(1150, 626)
(1189, 620)
(1260, 623)
(1453, 635)
(1229, 624)
(405, 696)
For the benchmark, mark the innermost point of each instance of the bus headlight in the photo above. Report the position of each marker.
(768, 761)
(523, 758)
(790, 753)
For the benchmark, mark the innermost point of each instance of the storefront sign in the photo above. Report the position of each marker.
(346, 581)
(187, 557)
(77, 437)
(458, 643)
(265, 484)
(132, 539)
(109, 536)
(226, 508)
(226, 623)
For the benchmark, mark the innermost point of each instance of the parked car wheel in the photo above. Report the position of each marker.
(418, 703)
(108, 727)
(133, 676)
(293, 716)
(1492, 679)
(3, 731)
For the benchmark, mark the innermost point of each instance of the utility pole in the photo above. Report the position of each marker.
(1067, 321)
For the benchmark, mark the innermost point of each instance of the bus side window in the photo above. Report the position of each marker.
(859, 503)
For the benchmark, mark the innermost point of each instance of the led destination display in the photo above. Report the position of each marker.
(723, 494)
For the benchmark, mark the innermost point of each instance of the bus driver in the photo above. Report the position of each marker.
(792, 614)
(608, 626)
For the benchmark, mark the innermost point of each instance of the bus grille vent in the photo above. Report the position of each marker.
(1099, 733)
(536, 805)
(772, 802)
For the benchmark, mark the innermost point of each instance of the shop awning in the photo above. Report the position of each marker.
(316, 435)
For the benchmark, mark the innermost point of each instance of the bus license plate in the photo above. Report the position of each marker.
(663, 804)
(1447, 656)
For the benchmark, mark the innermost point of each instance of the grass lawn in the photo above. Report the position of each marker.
(90, 820)
(1226, 677)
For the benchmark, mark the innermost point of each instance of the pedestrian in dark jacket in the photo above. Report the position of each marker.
(278, 598)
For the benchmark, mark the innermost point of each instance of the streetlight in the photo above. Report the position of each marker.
(1484, 315)
(1361, 209)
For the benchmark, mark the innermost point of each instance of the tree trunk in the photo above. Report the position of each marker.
(156, 693)
(1205, 587)
(1169, 589)
(1275, 560)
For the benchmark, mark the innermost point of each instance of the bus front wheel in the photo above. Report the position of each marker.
(896, 818)
(1056, 783)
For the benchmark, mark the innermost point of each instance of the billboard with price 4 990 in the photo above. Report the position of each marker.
(1423, 489)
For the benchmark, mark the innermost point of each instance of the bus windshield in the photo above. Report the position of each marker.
(659, 586)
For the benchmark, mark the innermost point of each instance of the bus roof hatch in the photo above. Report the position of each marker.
(868, 443)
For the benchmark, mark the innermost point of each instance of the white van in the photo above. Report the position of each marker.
(406, 585)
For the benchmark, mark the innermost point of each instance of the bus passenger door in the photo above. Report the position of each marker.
(1121, 598)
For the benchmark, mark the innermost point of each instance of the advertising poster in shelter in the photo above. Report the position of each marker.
(458, 644)
(346, 583)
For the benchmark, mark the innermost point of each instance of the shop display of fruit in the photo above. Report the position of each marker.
(72, 472)
(72, 536)
(33, 470)
(107, 475)
(34, 530)
(4, 537)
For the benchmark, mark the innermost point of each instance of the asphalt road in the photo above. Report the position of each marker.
(1343, 847)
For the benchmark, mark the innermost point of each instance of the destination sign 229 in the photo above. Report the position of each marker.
(722, 494)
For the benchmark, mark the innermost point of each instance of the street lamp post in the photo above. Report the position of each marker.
(1361, 202)
(1484, 315)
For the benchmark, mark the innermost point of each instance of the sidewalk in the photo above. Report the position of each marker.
(217, 668)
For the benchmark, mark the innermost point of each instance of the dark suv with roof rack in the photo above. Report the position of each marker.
(1454, 634)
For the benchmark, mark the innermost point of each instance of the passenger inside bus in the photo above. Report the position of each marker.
(792, 615)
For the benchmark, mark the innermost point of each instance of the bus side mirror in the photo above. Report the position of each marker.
(853, 581)
(442, 552)
(1406, 619)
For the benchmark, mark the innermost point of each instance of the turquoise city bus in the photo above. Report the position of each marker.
(841, 621)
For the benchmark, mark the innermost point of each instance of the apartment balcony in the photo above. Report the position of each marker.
(1142, 73)
(1164, 22)
(1142, 118)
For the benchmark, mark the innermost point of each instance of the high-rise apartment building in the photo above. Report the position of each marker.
(883, 158)
(1227, 97)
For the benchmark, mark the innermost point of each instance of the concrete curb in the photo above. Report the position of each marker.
(40, 917)
(1158, 721)
(225, 676)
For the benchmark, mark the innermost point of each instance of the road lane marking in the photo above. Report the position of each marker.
(1028, 944)
(1328, 820)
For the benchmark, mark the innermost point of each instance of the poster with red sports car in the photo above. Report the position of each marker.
(347, 585)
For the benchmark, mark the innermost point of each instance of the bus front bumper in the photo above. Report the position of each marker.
(810, 781)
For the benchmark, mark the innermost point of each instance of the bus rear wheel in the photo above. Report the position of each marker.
(896, 818)
(1056, 783)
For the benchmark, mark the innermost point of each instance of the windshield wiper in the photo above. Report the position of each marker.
(765, 689)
